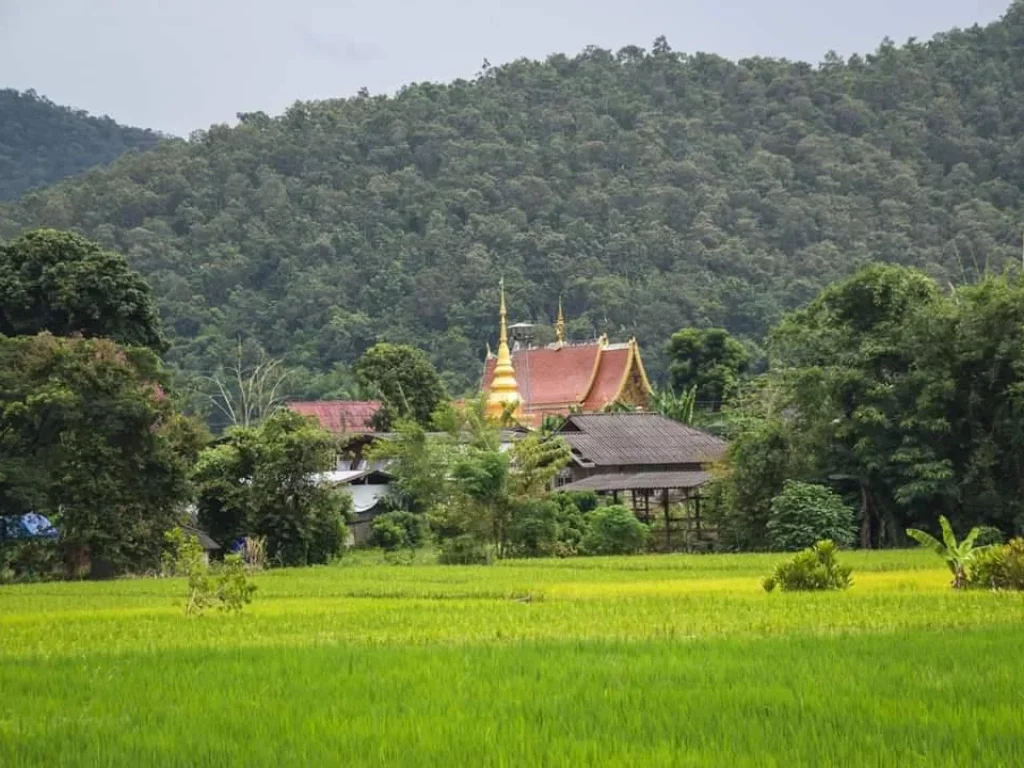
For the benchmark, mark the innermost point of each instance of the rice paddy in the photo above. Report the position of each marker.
(657, 660)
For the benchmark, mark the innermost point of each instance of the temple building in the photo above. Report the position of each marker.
(563, 378)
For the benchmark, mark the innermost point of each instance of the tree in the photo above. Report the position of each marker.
(805, 513)
(404, 379)
(865, 404)
(246, 394)
(66, 285)
(958, 555)
(89, 438)
(264, 481)
(710, 360)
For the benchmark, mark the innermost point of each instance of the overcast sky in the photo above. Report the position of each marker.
(178, 65)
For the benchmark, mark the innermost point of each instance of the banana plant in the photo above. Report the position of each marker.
(957, 555)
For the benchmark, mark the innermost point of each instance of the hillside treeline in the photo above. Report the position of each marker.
(651, 189)
(42, 143)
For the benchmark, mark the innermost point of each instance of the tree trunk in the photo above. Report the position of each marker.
(865, 518)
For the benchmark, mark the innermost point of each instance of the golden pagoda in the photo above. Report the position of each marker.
(503, 390)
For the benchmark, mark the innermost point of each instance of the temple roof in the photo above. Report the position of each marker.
(555, 379)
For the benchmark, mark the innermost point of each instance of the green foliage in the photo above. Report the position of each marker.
(535, 528)
(998, 567)
(263, 481)
(88, 438)
(904, 398)
(234, 590)
(398, 529)
(805, 513)
(709, 361)
(464, 549)
(186, 558)
(958, 554)
(41, 142)
(614, 530)
(813, 569)
(405, 381)
(66, 285)
(676, 407)
(231, 588)
(656, 190)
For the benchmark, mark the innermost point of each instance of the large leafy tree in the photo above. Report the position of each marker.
(266, 481)
(66, 285)
(709, 360)
(404, 379)
(88, 437)
(903, 398)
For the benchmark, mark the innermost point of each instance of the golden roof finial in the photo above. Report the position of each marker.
(560, 324)
(504, 390)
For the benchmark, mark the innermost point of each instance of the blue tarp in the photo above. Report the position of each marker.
(30, 526)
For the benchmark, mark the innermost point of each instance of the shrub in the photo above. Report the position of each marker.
(805, 513)
(233, 588)
(999, 567)
(387, 534)
(614, 530)
(187, 558)
(397, 529)
(463, 550)
(534, 530)
(813, 569)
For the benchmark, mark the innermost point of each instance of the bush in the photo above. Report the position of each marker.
(534, 530)
(998, 567)
(233, 588)
(614, 530)
(804, 514)
(397, 529)
(463, 550)
(811, 570)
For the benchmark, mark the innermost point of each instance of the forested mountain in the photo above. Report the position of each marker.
(41, 142)
(652, 189)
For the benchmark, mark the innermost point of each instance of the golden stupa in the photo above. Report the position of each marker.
(503, 391)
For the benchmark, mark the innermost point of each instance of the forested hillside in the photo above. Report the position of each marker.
(652, 189)
(41, 142)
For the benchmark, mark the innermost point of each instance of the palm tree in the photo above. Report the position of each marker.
(956, 555)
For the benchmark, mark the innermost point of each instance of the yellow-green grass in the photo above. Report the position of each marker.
(658, 660)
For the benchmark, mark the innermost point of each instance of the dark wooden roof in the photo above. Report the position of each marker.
(638, 481)
(204, 538)
(611, 439)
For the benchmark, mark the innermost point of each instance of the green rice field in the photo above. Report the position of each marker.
(662, 660)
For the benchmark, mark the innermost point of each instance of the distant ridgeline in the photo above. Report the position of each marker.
(42, 143)
(651, 189)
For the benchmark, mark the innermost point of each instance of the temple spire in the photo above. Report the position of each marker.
(560, 325)
(504, 390)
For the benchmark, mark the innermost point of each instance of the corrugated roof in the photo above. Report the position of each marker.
(638, 481)
(340, 415)
(204, 538)
(604, 439)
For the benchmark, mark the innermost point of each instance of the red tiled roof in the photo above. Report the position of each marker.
(340, 415)
(610, 375)
(551, 377)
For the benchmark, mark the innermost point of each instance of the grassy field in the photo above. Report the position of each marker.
(649, 661)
